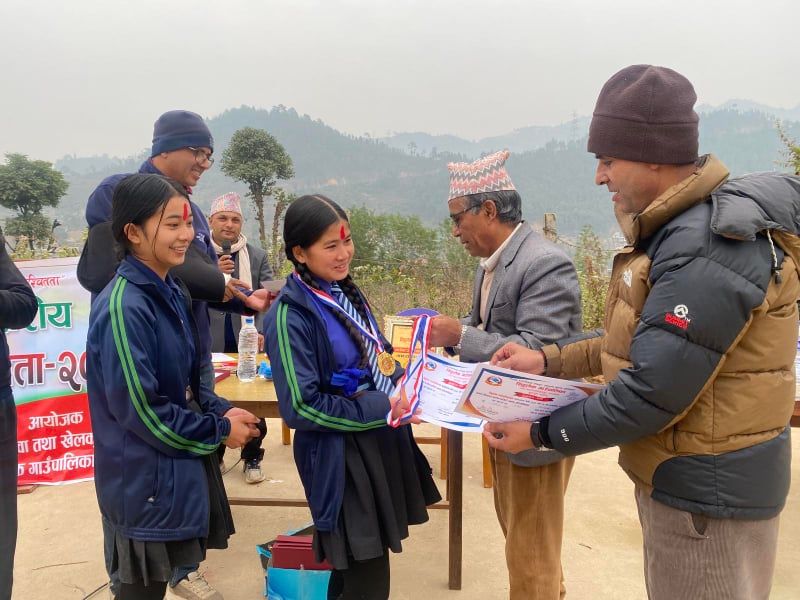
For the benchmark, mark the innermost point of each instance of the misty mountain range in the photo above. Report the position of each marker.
(406, 173)
(536, 136)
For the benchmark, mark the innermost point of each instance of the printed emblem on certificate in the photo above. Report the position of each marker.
(501, 395)
(442, 385)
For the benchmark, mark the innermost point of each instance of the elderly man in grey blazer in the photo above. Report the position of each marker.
(525, 291)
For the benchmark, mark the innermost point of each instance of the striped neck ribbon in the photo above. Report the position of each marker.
(371, 334)
(410, 383)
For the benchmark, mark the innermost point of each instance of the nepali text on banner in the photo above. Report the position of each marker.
(48, 377)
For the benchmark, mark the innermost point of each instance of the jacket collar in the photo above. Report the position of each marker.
(293, 293)
(490, 263)
(507, 256)
(140, 274)
(149, 168)
(509, 253)
(708, 176)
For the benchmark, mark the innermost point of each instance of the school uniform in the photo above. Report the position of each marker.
(365, 482)
(156, 431)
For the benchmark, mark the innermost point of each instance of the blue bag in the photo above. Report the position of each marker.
(297, 584)
(292, 584)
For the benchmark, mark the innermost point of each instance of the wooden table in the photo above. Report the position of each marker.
(795, 421)
(259, 398)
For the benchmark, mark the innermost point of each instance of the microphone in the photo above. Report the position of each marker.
(226, 251)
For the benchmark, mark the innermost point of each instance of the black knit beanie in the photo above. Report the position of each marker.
(178, 129)
(646, 114)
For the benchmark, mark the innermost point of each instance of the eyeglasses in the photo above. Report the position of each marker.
(457, 216)
(201, 155)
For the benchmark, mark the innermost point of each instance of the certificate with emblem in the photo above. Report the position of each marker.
(444, 381)
(501, 395)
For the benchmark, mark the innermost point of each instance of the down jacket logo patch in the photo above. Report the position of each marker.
(627, 277)
(679, 316)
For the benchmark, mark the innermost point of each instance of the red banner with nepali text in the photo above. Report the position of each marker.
(54, 440)
(48, 377)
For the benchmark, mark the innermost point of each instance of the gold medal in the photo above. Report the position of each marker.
(386, 363)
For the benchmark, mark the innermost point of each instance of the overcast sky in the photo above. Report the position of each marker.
(91, 76)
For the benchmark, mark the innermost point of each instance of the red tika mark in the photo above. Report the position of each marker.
(676, 320)
(185, 210)
(342, 233)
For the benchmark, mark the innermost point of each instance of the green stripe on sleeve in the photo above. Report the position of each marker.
(299, 406)
(135, 391)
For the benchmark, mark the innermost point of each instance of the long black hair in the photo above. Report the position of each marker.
(306, 219)
(137, 198)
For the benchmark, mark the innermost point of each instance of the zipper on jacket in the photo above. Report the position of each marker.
(776, 269)
(154, 495)
(329, 357)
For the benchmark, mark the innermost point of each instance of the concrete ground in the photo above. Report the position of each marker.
(59, 550)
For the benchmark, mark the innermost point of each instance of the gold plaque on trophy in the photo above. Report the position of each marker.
(398, 332)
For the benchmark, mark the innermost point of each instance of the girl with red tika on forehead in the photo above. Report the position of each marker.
(156, 431)
(365, 481)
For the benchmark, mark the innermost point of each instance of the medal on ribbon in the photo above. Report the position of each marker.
(385, 361)
(410, 383)
(386, 364)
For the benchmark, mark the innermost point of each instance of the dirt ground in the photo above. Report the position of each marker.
(59, 550)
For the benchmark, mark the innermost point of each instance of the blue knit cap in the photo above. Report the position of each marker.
(178, 129)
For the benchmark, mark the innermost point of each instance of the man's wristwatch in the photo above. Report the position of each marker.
(536, 437)
(457, 347)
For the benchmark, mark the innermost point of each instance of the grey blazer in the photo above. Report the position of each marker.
(534, 300)
(259, 271)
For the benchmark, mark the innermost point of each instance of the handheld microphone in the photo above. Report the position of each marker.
(226, 251)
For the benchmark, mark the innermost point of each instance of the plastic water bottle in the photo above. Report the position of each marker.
(248, 347)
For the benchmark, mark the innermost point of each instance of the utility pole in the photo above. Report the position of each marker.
(573, 129)
(549, 228)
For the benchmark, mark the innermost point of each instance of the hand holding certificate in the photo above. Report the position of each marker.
(431, 386)
(464, 396)
(401, 407)
(444, 381)
(501, 395)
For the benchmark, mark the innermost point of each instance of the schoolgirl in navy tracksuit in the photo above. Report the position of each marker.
(365, 482)
(156, 474)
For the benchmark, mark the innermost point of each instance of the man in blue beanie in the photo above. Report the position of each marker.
(182, 149)
(182, 145)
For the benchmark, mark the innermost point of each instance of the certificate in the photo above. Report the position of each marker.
(443, 382)
(273, 286)
(501, 395)
(218, 358)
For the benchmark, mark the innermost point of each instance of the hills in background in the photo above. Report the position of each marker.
(740, 105)
(536, 136)
(406, 173)
(519, 140)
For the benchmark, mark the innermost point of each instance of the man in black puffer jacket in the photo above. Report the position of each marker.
(698, 348)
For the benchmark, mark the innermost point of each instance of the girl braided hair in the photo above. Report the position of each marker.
(305, 221)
